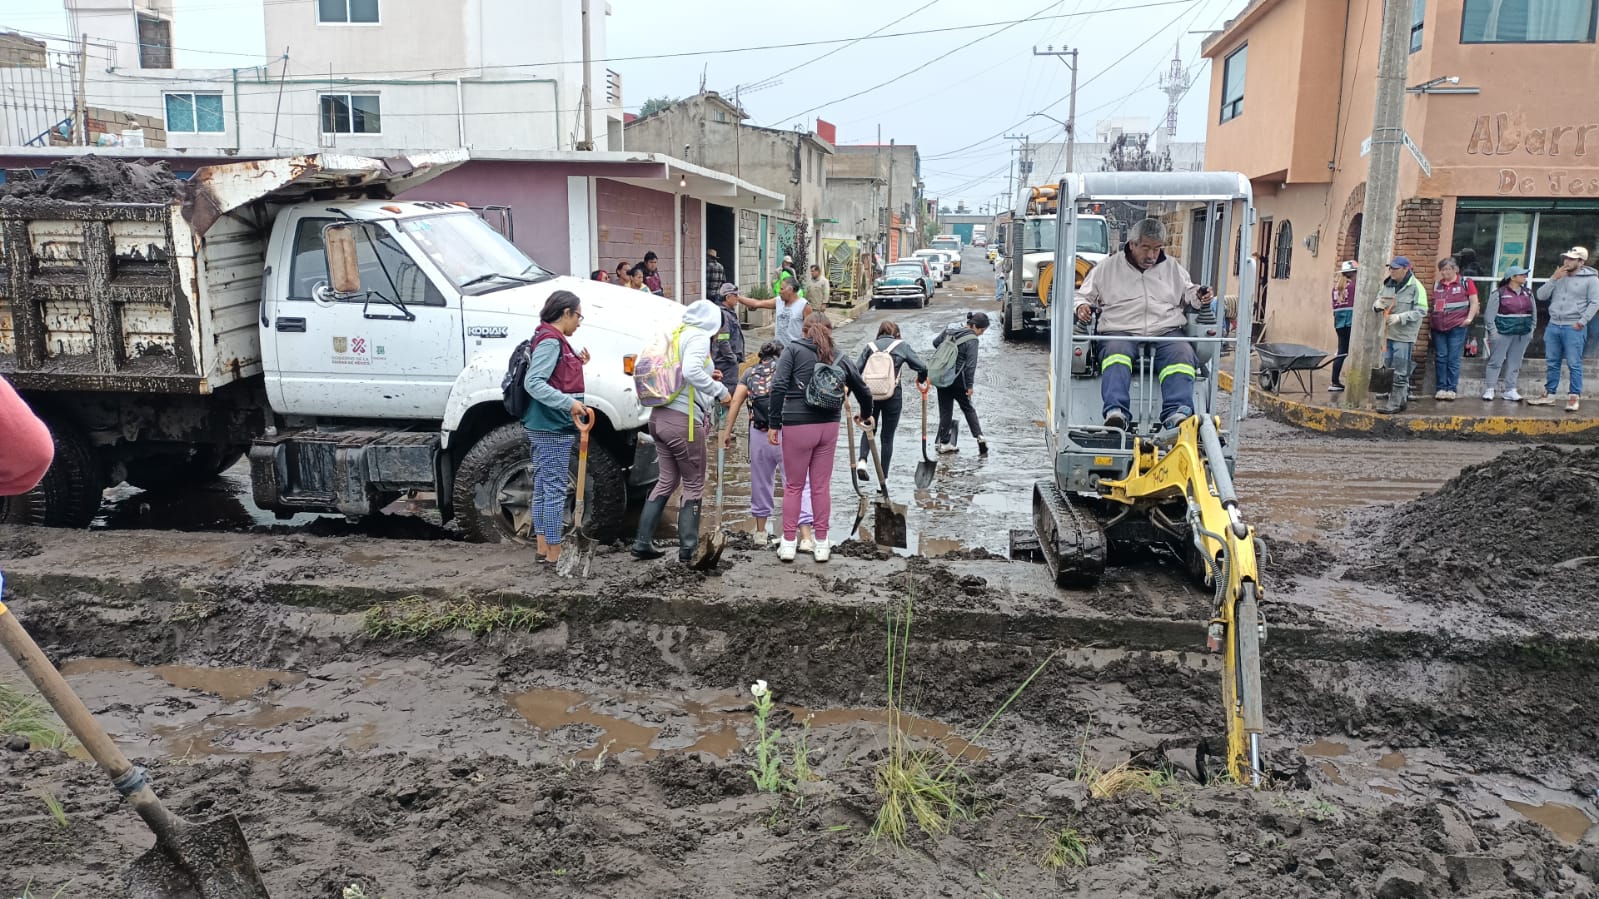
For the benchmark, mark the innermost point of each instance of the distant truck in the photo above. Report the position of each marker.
(351, 344)
(1031, 230)
(951, 243)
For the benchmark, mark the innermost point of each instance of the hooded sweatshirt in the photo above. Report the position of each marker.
(1406, 302)
(1573, 299)
(703, 319)
(1135, 301)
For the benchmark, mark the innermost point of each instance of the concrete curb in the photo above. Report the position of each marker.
(1361, 423)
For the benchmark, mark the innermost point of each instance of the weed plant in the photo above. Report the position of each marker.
(1066, 847)
(23, 716)
(58, 813)
(768, 773)
(414, 618)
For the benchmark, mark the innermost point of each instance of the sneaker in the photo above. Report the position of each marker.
(1116, 420)
(1543, 399)
(982, 446)
(1441, 395)
(946, 448)
(1488, 395)
(1451, 395)
(860, 471)
(1175, 420)
(786, 550)
(822, 552)
(1573, 403)
(1512, 395)
(1335, 388)
(807, 544)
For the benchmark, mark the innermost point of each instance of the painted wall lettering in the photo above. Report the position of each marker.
(1546, 183)
(1503, 134)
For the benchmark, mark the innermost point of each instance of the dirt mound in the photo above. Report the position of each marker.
(1522, 528)
(98, 179)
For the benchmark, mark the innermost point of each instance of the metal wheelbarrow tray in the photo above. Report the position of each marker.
(1277, 358)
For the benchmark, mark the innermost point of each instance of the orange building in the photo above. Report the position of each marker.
(1513, 144)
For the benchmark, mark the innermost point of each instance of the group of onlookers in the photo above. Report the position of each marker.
(1508, 317)
(645, 275)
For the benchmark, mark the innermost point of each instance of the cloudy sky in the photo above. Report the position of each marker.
(954, 92)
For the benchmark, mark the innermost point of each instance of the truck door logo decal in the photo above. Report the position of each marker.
(488, 331)
(340, 345)
(352, 351)
(358, 345)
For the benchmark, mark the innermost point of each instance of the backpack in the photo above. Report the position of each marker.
(945, 364)
(878, 372)
(512, 392)
(825, 390)
(658, 371)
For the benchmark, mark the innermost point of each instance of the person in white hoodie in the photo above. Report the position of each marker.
(681, 431)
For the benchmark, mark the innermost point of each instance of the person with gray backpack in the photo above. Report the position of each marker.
(803, 416)
(881, 363)
(953, 371)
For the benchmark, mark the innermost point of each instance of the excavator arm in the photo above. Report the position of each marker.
(1193, 470)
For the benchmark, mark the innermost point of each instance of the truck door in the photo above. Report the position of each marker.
(394, 353)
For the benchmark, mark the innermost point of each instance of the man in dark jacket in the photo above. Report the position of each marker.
(960, 390)
(727, 351)
(652, 273)
(715, 277)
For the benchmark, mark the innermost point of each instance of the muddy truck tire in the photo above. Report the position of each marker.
(494, 489)
(69, 494)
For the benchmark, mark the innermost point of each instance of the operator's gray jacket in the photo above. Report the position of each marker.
(1572, 299)
(1134, 301)
(1409, 304)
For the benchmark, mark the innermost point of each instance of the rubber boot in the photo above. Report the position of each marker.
(648, 520)
(688, 530)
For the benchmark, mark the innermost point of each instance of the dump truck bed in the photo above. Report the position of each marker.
(161, 298)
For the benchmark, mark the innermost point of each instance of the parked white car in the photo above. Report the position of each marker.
(938, 261)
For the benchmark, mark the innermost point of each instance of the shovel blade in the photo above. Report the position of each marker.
(708, 551)
(1382, 380)
(199, 861)
(575, 559)
(924, 474)
(890, 525)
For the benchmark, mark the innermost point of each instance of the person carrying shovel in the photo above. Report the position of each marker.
(1404, 301)
(555, 383)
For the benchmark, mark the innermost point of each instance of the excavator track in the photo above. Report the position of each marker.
(1069, 538)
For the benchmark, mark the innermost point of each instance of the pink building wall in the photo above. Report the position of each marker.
(633, 221)
(537, 197)
(693, 250)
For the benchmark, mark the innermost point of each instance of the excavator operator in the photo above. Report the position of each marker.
(1142, 292)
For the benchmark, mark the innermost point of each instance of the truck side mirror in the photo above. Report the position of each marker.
(344, 269)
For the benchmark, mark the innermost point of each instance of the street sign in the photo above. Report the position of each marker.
(1426, 167)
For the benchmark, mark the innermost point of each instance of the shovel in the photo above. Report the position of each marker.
(890, 523)
(713, 539)
(1382, 378)
(189, 861)
(579, 550)
(860, 514)
(927, 468)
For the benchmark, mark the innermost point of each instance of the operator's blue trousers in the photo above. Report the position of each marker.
(1175, 366)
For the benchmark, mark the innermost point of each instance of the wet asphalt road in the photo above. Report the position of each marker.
(1294, 484)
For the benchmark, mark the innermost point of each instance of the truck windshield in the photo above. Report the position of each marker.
(1038, 236)
(469, 251)
(947, 245)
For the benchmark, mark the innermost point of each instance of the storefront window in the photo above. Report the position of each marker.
(1559, 232)
(1495, 234)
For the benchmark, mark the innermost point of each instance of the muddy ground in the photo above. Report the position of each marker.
(1422, 743)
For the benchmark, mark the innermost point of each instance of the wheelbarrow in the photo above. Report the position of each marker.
(1278, 358)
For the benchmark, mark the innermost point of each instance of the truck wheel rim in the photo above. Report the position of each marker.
(514, 496)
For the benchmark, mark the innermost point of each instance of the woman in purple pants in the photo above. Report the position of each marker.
(765, 460)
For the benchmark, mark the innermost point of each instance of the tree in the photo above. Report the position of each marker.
(1131, 153)
(654, 105)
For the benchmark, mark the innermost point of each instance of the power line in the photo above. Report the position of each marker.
(852, 43)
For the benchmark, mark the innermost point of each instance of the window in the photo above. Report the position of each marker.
(1232, 84)
(155, 43)
(386, 270)
(1527, 21)
(1284, 258)
(351, 114)
(1418, 15)
(347, 12)
(194, 113)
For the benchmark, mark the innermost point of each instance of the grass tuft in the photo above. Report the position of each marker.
(414, 618)
(23, 716)
(58, 813)
(1068, 847)
(1123, 779)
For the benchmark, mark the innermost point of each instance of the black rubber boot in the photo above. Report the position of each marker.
(688, 530)
(648, 520)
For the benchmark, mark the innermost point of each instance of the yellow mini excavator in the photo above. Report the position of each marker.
(1111, 489)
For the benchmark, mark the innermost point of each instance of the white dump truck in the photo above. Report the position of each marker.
(163, 341)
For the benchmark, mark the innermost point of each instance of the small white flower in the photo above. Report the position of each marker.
(758, 689)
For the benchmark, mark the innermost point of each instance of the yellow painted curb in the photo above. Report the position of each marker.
(1363, 423)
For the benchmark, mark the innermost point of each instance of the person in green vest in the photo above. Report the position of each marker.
(785, 274)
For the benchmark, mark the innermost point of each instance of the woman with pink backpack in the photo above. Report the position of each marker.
(881, 363)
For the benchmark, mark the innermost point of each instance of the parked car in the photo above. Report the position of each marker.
(902, 282)
(980, 242)
(939, 263)
(952, 263)
(951, 244)
(928, 274)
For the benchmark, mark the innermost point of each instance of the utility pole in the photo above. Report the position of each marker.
(888, 252)
(587, 102)
(1071, 114)
(1024, 164)
(1382, 198)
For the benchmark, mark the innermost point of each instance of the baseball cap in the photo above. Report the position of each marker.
(1399, 262)
(729, 289)
(1347, 267)
(1576, 253)
(1515, 270)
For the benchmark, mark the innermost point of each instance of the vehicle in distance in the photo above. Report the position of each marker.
(902, 282)
(951, 243)
(938, 262)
